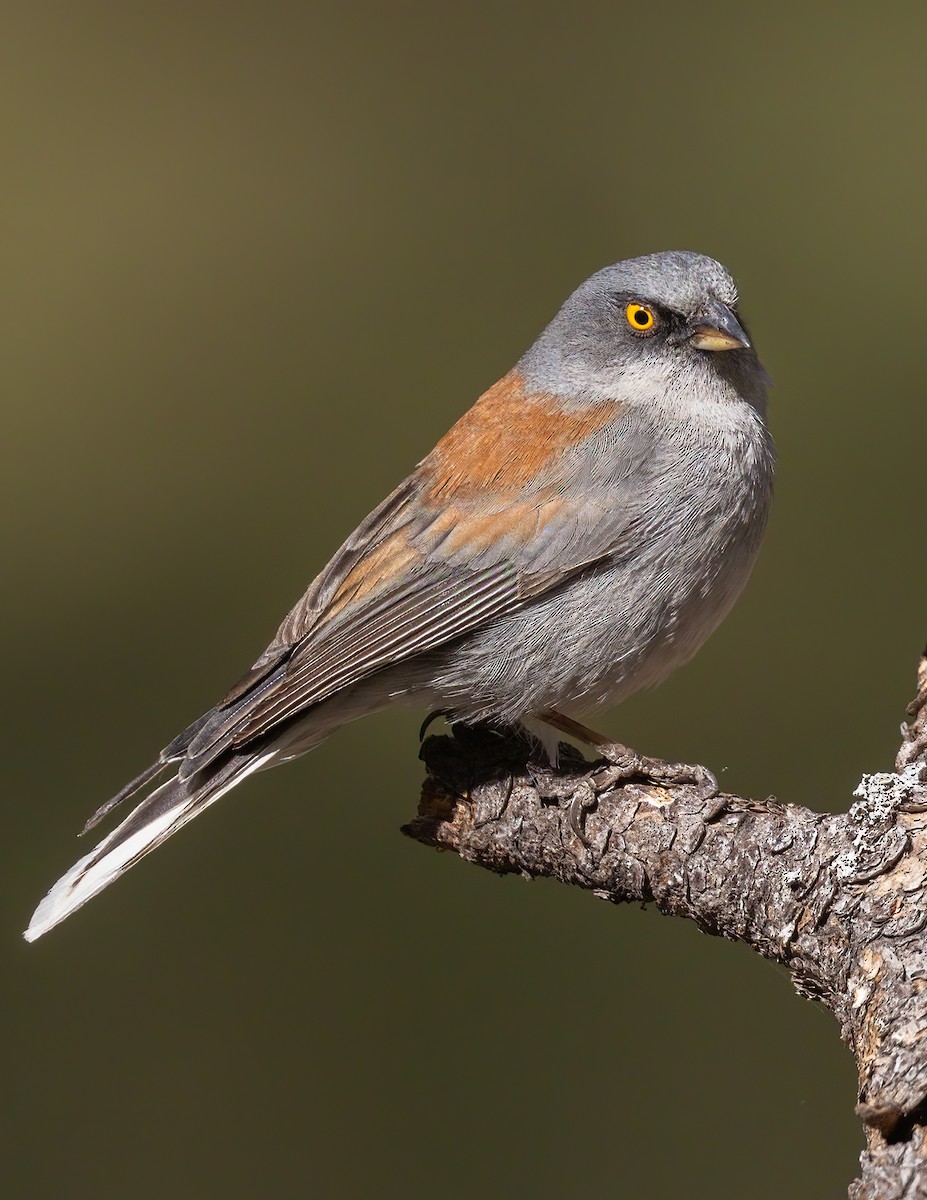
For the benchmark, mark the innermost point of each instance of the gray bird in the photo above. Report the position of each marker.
(576, 536)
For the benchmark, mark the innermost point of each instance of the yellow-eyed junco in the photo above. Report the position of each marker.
(574, 537)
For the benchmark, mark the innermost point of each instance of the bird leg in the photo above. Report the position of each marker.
(625, 764)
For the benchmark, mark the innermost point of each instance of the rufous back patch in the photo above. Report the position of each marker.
(506, 528)
(505, 440)
(383, 565)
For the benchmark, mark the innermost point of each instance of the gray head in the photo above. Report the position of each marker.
(655, 320)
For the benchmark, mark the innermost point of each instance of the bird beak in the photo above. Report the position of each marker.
(718, 329)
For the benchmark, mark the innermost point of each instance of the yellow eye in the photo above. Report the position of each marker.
(640, 318)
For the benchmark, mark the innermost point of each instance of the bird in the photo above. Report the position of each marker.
(574, 537)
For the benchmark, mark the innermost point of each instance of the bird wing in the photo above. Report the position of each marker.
(497, 514)
(517, 498)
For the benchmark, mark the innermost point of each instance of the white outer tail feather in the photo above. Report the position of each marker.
(83, 882)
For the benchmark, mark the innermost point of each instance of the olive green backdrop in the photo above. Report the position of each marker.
(256, 259)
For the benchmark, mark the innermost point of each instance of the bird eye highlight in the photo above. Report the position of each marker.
(641, 318)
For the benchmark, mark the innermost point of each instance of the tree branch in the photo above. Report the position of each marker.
(838, 899)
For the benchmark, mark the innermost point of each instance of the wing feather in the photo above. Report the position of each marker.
(409, 626)
(460, 543)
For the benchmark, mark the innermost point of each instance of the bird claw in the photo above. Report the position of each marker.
(430, 720)
(584, 800)
(673, 774)
(582, 797)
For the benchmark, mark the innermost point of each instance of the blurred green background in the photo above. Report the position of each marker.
(256, 259)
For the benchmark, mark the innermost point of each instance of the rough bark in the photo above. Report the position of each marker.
(839, 899)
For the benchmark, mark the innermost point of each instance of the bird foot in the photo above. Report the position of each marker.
(628, 764)
(624, 764)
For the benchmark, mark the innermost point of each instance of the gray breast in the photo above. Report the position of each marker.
(689, 524)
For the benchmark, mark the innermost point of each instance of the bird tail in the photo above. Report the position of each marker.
(170, 806)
